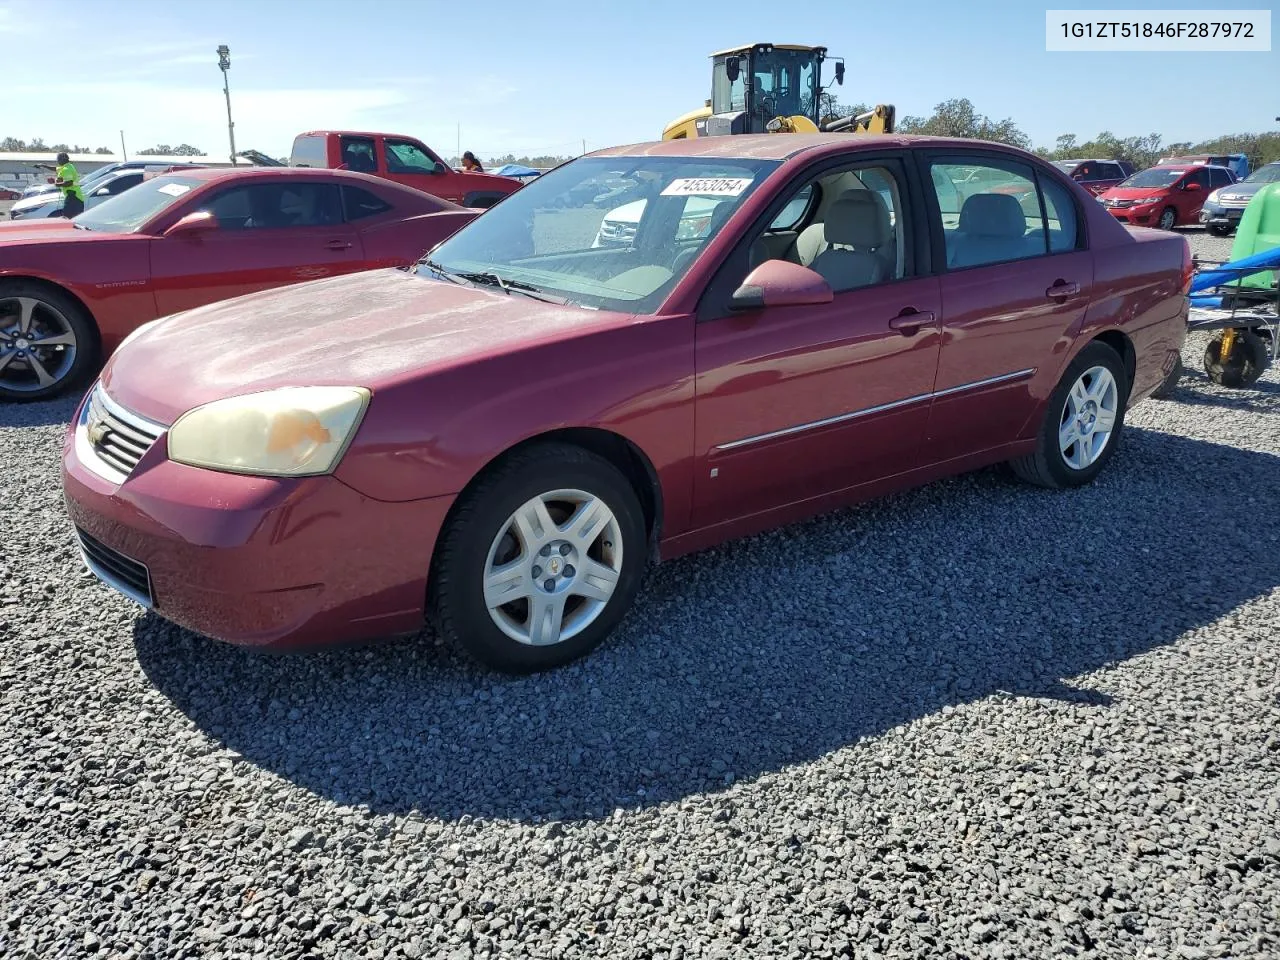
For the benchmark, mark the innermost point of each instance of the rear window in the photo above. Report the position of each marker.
(309, 152)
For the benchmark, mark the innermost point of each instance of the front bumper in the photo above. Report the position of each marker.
(265, 562)
(1139, 216)
(1221, 215)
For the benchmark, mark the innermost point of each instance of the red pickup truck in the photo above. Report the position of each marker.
(401, 159)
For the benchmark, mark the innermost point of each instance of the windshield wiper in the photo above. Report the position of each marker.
(439, 270)
(492, 279)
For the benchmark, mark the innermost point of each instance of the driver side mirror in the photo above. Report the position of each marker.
(781, 283)
(840, 72)
(193, 225)
(438, 168)
(1192, 186)
(732, 69)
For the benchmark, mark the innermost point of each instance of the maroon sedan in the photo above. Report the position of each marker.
(72, 290)
(503, 438)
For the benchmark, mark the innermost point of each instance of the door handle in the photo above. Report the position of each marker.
(910, 320)
(1062, 289)
(338, 244)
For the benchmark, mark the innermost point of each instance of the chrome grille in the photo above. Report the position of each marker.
(118, 438)
(117, 570)
(611, 231)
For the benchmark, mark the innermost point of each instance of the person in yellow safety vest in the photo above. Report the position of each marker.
(67, 179)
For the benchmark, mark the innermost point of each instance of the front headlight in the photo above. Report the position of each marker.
(290, 432)
(1213, 196)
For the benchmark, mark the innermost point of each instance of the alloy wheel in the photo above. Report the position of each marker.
(37, 344)
(1088, 417)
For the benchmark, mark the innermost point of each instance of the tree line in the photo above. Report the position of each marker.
(959, 118)
(15, 145)
(951, 118)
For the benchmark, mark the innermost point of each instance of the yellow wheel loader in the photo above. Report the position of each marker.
(772, 88)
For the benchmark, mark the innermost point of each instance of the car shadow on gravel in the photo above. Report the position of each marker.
(39, 414)
(770, 651)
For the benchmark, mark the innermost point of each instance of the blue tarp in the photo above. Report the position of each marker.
(1228, 272)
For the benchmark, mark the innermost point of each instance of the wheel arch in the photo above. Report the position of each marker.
(58, 288)
(622, 453)
(1119, 341)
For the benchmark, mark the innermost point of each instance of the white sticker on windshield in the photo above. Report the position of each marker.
(174, 189)
(707, 187)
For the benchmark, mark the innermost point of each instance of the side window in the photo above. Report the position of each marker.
(1200, 176)
(791, 215)
(121, 184)
(360, 203)
(405, 157)
(1220, 178)
(309, 152)
(358, 154)
(1110, 171)
(1088, 171)
(277, 206)
(855, 238)
(999, 216)
(1061, 211)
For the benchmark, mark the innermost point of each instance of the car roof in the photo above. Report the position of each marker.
(356, 133)
(782, 146)
(267, 173)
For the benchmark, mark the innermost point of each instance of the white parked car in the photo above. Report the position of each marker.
(618, 228)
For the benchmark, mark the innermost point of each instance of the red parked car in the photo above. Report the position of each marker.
(1165, 196)
(504, 437)
(72, 290)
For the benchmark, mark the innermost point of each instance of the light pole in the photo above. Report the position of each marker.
(224, 64)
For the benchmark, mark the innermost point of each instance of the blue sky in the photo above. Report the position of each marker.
(542, 82)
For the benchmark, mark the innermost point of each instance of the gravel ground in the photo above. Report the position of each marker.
(975, 720)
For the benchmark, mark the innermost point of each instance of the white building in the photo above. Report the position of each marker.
(19, 170)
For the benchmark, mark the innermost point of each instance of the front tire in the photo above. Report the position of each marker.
(1219, 231)
(48, 343)
(541, 560)
(1168, 218)
(1083, 422)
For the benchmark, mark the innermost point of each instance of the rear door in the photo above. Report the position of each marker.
(270, 234)
(1016, 281)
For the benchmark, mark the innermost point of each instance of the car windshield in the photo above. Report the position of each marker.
(1155, 177)
(1268, 174)
(127, 211)
(602, 232)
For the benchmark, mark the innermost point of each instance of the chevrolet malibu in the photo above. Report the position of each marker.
(500, 438)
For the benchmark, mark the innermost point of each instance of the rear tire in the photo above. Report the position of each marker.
(1243, 367)
(500, 544)
(32, 314)
(1091, 396)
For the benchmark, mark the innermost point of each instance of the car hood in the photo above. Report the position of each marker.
(1135, 193)
(373, 329)
(1239, 190)
(39, 200)
(55, 229)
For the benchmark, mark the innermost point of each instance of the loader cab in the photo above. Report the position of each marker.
(750, 86)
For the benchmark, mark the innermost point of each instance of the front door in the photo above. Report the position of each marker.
(269, 235)
(1016, 283)
(795, 402)
(411, 164)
